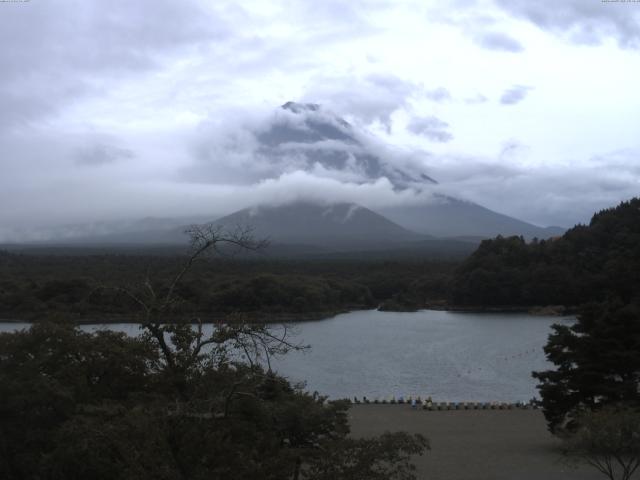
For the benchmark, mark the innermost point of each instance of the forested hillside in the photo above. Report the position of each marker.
(588, 263)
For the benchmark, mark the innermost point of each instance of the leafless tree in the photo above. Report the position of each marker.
(182, 341)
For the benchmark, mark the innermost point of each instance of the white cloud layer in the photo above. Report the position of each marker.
(126, 109)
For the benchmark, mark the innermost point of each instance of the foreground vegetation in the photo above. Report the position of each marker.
(75, 405)
(143, 402)
(173, 403)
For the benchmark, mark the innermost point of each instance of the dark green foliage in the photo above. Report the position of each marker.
(50, 374)
(86, 286)
(385, 458)
(289, 293)
(75, 405)
(588, 263)
(597, 363)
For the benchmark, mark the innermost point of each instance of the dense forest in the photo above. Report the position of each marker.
(597, 359)
(88, 286)
(588, 263)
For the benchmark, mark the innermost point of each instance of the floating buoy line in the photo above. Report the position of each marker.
(426, 403)
(499, 361)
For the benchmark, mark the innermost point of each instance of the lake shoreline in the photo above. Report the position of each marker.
(250, 317)
(296, 317)
(536, 310)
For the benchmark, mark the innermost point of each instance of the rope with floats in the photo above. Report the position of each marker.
(427, 403)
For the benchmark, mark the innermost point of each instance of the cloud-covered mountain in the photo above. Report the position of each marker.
(305, 137)
(299, 137)
(120, 115)
(347, 169)
(341, 225)
(323, 140)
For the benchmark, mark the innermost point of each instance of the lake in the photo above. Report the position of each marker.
(450, 356)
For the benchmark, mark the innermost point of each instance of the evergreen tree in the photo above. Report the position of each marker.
(597, 363)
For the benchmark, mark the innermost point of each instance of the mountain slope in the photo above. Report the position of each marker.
(450, 217)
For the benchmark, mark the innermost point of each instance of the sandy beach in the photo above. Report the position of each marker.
(475, 444)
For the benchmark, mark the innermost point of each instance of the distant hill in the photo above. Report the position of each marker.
(450, 217)
(294, 230)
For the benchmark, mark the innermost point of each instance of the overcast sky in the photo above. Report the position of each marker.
(528, 108)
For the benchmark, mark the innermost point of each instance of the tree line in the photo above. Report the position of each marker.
(84, 286)
(591, 262)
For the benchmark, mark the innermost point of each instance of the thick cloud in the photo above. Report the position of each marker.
(582, 21)
(53, 53)
(431, 127)
(298, 137)
(367, 99)
(561, 194)
(134, 109)
(100, 154)
(515, 94)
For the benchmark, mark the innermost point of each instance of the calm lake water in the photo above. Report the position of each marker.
(450, 356)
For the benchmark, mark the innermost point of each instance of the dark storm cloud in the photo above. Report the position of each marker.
(431, 128)
(582, 21)
(498, 41)
(54, 52)
(514, 95)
